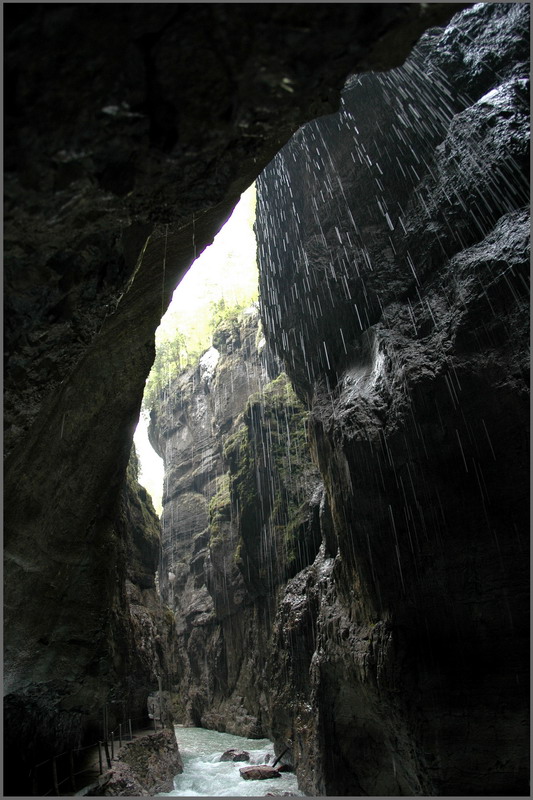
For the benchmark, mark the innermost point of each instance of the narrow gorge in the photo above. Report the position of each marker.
(341, 565)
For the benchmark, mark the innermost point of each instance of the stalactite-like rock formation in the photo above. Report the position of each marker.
(393, 242)
(131, 130)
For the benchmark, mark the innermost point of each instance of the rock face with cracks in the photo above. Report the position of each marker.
(136, 631)
(143, 768)
(394, 257)
(237, 464)
(131, 130)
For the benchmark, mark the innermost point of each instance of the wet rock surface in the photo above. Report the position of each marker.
(259, 772)
(234, 441)
(235, 755)
(147, 137)
(131, 131)
(148, 642)
(136, 622)
(395, 288)
(144, 768)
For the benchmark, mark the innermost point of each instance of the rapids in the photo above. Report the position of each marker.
(204, 775)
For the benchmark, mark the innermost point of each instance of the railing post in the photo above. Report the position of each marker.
(131, 734)
(72, 781)
(54, 777)
(160, 699)
(106, 747)
(112, 744)
(100, 756)
(120, 734)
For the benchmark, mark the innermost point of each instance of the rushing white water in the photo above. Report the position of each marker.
(204, 775)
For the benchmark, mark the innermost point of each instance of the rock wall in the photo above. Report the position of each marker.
(238, 520)
(393, 240)
(143, 768)
(131, 131)
(149, 651)
(187, 425)
(133, 632)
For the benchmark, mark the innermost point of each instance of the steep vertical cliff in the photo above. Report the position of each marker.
(133, 631)
(393, 244)
(150, 648)
(237, 521)
(131, 131)
(373, 618)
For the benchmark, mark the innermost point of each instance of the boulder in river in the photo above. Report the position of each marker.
(258, 772)
(235, 755)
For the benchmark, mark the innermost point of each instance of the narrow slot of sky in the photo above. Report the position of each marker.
(226, 270)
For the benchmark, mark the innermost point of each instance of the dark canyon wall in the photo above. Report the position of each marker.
(394, 254)
(378, 625)
(95, 658)
(131, 130)
(372, 616)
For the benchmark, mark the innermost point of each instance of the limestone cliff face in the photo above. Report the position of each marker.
(131, 131)
(239, 519)
(393, 243)
(200, 407)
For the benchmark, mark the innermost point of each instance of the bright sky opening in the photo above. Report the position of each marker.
(227, 269)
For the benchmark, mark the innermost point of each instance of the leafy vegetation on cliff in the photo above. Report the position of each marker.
(221, 282)
(178, 348)
(270, 473)
(219, 511)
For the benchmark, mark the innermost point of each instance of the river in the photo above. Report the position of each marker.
(204, 775)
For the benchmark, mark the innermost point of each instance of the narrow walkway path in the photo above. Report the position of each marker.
(89, 774)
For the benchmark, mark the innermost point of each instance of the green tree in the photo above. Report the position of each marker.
(177, 349)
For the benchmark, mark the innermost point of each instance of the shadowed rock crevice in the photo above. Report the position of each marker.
(394, 251)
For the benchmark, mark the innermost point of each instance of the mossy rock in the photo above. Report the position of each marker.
(220, 503)
(270, 466)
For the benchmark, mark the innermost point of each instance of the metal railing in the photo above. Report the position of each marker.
(61, 774)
